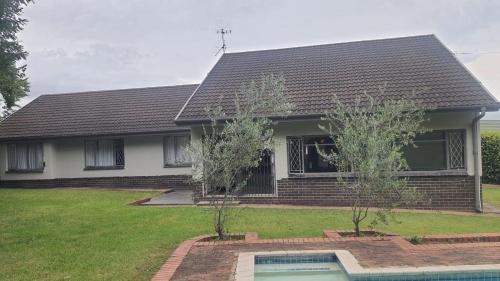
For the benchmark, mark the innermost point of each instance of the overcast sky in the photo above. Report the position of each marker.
(82, 45)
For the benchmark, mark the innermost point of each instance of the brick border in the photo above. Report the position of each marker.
(168, 269)
(465, 241)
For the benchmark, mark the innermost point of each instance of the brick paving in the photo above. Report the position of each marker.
(216, 261)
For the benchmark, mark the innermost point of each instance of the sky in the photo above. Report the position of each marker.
(83, 45)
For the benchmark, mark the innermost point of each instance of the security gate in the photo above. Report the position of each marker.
(261, 178)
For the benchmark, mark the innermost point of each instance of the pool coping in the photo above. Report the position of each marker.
(245, 267)
(169, 268)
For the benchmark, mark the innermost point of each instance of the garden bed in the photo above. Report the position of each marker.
(455, 239)
(229, 237)
(350, 233)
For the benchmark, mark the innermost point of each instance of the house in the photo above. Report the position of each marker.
(119, 138)
(130, 137)
(490, 125)
(446, 164)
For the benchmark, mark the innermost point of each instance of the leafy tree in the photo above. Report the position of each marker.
(370, 135)
(13, 82)
(229, 149)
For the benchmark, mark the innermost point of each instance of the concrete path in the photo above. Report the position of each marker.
(178, 197)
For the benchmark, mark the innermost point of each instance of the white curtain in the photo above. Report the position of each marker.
(180, 149)
(90, 153)
(11, 157)
(106, 153)
(25, 156)
(169, 150)
(22, 156)
(35, 156)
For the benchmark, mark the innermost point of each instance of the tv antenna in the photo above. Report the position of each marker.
(222, 33)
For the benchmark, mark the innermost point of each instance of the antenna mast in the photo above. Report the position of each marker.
(222, 33)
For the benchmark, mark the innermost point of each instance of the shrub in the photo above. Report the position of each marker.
(415, 240)
(490, 150)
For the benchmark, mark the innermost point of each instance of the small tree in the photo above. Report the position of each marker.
(370, 135)
(230, 147)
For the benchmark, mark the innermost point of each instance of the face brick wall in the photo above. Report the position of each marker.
(171, 181)
(444, 192)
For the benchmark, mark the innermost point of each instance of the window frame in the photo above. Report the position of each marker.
(113, 167)
(20, 171)
(448, 170)
(447, 155)
(303, 158)
(309, 146)
(164, 140)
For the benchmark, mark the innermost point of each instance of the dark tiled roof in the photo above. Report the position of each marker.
(128, 111)
(314, 74)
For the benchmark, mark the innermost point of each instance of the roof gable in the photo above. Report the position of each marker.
(314, 74)
(127, 111)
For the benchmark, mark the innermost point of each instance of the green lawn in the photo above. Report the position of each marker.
(95, 235)
(492, 194)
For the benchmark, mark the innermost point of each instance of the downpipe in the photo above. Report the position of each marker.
(476, 142)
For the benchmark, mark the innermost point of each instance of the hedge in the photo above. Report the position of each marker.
(490, 152)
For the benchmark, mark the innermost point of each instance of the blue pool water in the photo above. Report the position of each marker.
(298, 268)
(327, 268)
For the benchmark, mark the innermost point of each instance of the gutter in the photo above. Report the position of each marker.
(476, 142)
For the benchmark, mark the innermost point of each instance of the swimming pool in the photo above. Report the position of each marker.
(295, 268)
(339, 265)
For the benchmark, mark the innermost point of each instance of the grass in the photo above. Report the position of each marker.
(94, 235)
(492, 194)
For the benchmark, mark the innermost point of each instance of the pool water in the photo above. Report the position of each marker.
(295, 268)
(328, 268)
(302, 276)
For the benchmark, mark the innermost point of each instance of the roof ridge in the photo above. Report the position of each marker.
(117, 90)
(331, 44)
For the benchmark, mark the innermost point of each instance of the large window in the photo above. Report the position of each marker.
(25, 157)
(174, 150)
(303, 156)
(437, 150)
(104, 154)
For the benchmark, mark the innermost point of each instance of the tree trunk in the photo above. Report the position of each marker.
(219, 225)
(356, 229)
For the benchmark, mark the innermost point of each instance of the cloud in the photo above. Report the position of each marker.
(92, 44)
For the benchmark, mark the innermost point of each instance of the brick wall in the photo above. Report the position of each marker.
(172, 181)
(444, 192)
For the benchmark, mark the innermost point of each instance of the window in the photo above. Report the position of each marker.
(104, 154)
(174, 150)
(25, 157)
(437, 150)
(303, 156)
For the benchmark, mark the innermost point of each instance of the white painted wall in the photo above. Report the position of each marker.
(64, 158)
(436, 121)
(144, 154)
